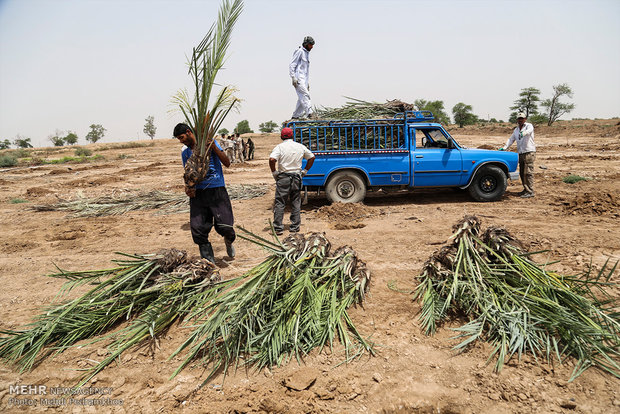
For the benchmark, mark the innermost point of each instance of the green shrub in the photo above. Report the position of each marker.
(83, 152)
(21, 153)
(17, 201)
(572, 179)
(8, 160)
(125, 145)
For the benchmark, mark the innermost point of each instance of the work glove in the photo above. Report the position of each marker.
(304, 172)
(275, 175)
(295, 82)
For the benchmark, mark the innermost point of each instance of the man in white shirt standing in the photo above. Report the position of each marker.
(289, 156)
(524, 135)
(299, 70)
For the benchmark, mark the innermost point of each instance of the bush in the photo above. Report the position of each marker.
(126, 145)
(36, 161)
(538, 119)
(17, 201)
(83, 152)
(8, 160)
(21, 153)
(572, 179)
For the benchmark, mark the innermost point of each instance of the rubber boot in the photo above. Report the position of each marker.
(230, 249)
(206, 252)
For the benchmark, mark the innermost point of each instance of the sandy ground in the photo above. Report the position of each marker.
(393, 233)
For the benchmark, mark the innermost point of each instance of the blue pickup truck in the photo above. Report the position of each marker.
(408, 151)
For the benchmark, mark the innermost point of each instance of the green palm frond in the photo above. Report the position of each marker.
(204, 64)
(150, 291)
(518, 305)
(294, 301)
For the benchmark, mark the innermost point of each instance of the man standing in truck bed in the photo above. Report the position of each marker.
(299, 70)
(289, 156)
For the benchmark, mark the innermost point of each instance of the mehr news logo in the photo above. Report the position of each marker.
(42, 395)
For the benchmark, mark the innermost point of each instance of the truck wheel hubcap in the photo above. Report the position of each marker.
(345, 189)
(488, 184)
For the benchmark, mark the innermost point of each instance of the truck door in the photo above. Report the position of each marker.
(434, 163)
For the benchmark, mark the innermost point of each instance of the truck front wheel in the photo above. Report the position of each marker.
(345, 187)
(489, 184)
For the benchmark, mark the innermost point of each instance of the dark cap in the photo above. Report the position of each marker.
(308, 40)
(286, 133)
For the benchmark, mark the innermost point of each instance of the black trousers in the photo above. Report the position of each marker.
(211, 208)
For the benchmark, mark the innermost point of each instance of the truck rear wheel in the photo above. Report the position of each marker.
(345, 187)
(489, 184)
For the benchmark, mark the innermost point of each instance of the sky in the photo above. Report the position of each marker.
(67, 64)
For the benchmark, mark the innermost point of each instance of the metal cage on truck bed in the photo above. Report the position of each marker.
(355, 135)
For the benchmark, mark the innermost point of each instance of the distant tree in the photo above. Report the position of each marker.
(243, 127)
(22, 142)
(527, 102)
(149, 127)
(6, 144)
(96, 133)
(463, 114)
(71, 138)
(57, 139)
(538, 119)
(436, 107)
(555, 108)
(267, 127)
(223, 131)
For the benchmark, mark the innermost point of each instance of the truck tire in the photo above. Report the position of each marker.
(345, 187)
(489, 184)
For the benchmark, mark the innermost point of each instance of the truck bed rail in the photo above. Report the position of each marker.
(355, 135)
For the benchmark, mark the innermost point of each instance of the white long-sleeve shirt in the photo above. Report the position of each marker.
(524, 138)
(299, 67)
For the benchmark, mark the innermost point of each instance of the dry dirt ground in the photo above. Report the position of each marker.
(393, 233)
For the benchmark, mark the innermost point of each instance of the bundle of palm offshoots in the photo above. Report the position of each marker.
(162, 201)
(202, 115)
(359, 109)
(518, 305)
(294, 301)
(151, 291)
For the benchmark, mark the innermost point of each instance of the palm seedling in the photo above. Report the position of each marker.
(202, 114)
(294, 301)
(151, 291)
(518, 305)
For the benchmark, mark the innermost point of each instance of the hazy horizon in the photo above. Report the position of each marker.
(66, 64)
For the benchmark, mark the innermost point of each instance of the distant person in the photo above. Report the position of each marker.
(289, 156)
(250, 149)
(244, 146)
(229, 147)
(238, 148)
(209, 204)
(524, 135)
(299, 70)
